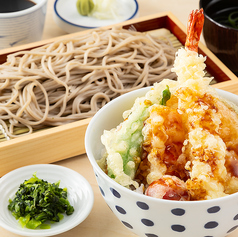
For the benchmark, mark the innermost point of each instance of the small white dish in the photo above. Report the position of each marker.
(80, 196)
(68, 19)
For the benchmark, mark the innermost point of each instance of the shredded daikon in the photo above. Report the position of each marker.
(106, 9)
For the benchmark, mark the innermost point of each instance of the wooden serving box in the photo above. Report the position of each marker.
(54, 144)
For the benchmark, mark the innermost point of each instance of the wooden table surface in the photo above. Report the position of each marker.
(101, 222)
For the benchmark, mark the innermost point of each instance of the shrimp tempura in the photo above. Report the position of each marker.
(186, 139)
(179, 141)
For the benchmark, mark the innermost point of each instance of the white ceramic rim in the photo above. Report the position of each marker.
(83, 211)
(88, 27)
(23, 12)
(130, 192)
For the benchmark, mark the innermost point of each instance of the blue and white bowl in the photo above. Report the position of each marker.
(151, 217)
(68, 19)
(22, 27)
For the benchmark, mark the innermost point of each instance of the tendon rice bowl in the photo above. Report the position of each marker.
(168, 166)
(147, 216)
(178, 141)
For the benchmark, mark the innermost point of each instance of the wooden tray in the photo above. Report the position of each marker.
(66, 141)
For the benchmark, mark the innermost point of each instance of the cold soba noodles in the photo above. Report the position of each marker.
(72, 79)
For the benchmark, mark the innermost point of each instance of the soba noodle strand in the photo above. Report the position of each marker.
(71, 79)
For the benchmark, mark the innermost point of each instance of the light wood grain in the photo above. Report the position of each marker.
(231, 86)
(101, 222)
(43, 147)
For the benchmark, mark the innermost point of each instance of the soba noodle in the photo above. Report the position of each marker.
(72, 79)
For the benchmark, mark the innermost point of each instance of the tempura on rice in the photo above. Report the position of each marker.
(182, 149)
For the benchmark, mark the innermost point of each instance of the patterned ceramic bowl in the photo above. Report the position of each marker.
(23, 26)
(151, 217)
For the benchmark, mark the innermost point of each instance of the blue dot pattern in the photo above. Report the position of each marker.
(151, 235)
(121, 210)
(232, 229)
(211, 225)
(127, 224)
(147, 222)
(142, 205)
(102, 192)
(235, 218)
(115, 193)
(178, 228)
(214, 209)
(179, 212)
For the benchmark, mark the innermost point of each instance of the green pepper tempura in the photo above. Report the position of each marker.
(38, 201)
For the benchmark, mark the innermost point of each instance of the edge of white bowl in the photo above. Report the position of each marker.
(23, 12)
(95, 166)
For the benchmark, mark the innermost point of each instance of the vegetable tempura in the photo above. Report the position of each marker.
(179, 141)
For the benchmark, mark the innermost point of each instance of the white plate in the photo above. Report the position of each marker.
(68, 18)
(80, 196)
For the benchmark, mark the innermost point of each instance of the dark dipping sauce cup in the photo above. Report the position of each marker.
(221, 37)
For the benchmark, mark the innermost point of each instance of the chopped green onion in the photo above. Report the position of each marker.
(233, 19)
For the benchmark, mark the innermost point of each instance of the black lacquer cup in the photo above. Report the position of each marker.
(220, 36)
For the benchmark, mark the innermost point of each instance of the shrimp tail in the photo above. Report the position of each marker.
(188, 64)
(194, 29)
